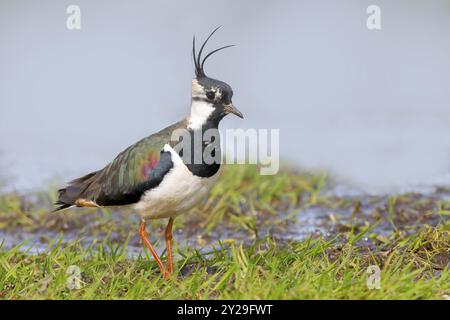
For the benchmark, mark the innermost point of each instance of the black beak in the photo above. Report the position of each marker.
(229, 108)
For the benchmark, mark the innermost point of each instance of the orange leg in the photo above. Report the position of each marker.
(144, 237)
(168, 236)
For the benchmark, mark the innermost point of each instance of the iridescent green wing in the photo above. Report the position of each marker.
(135, 170)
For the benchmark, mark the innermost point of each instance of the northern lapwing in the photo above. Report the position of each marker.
(152, 176)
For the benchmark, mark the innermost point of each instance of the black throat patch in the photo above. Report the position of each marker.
(211, 147)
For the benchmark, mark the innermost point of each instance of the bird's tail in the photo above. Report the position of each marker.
(75, 190)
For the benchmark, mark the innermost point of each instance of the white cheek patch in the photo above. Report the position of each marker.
(200, 112)
(218, 95)
(197, 90)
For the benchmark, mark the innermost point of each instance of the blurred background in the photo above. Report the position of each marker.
(370, 106)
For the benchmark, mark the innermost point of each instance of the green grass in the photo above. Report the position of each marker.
(310, 269)
(413, 256)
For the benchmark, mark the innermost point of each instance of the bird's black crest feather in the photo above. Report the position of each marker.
(198, 62)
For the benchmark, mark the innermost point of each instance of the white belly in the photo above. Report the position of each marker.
(179, 191)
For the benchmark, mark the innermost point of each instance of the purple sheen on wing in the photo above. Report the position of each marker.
(149, 164)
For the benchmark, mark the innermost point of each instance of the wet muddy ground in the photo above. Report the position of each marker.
(330, 216)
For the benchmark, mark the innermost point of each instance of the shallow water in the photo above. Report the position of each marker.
(369, 106)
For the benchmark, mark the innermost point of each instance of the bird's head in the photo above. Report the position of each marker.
(211, 98)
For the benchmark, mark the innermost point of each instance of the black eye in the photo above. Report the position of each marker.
(210, 95)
